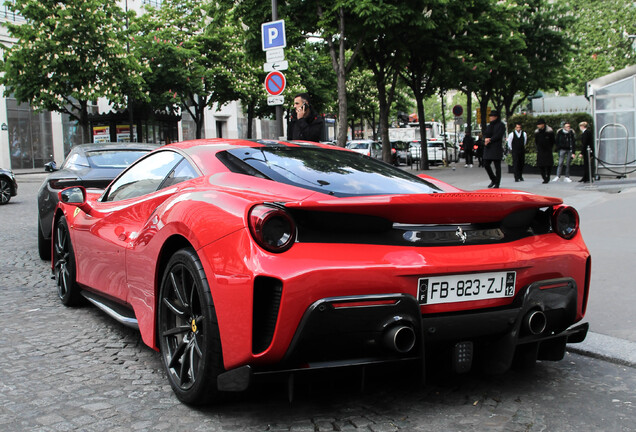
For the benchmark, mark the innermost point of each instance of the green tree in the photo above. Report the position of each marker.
(383, 52)
(542, 62)
(602, 32)
(69, 54)
(187, 45)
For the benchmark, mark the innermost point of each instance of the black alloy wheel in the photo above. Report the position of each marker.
(5, 191)
(64, 265)
(188, 330)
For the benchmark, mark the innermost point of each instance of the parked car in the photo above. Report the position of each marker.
(436, 151)
(239, 258)
(8, 186)
(400, 153)
(366, 147)
(88, 165)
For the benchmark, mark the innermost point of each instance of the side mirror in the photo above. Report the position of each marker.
(50, 166)
(75, 195)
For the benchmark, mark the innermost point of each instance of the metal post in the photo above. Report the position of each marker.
(589, 164)
(129, 101)
(279, 108)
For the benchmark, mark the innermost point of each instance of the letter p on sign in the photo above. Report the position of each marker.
(273, 35)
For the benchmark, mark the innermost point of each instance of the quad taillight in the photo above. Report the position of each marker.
(565, 222)
(272, 227)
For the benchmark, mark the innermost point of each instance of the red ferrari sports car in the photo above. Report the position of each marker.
(236, 258)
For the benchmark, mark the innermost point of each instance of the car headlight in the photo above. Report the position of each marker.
(272, 227)
(565, 222)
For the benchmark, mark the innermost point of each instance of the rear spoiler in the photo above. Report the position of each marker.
(439, 208)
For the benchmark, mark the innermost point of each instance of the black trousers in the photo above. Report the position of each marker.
(518, 161)
(495, 177)
(469, 157)
(545, 173)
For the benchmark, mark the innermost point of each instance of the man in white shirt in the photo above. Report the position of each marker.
(517, 140)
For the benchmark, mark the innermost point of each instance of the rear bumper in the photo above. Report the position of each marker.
(358, 330)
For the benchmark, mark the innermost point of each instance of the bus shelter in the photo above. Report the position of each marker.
(613, 100)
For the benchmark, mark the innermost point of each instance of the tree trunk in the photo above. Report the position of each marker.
(469, 111)
(421, 119)
(250, 118)
(86, 133)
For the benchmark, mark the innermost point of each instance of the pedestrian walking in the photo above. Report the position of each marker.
(544, 141)
(565, 140)
(587, 148)
(517, 141)
(467, 144)
(493, 148)
(305, 124)
(478, 150)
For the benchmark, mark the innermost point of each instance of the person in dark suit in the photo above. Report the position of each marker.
(587, 141)
(544, 141)
(305, 124)
(517, 140)
(493, 148)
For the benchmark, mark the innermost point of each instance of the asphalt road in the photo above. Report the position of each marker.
(76, 369)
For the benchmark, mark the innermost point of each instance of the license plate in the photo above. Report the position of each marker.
(465, 287)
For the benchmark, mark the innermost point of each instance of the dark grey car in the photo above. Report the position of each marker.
(8, 186)
(88, 165)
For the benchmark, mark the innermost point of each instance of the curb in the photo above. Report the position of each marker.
(608, 348)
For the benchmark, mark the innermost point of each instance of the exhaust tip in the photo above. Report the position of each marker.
(400, 338)
(535, 322)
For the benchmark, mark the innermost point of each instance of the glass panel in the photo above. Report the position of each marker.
(616, 96)
(30, 136)
(616, 145)
(144, 177)
(339, 173)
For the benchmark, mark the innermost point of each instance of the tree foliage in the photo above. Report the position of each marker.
(601, 30)
(67, 54)
(187, 46)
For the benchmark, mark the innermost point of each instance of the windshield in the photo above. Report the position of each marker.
(358, 146)
(335, 172)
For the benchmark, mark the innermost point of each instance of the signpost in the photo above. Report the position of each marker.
(273, 42)
(273, 35)
(274, 66)
(275, 83)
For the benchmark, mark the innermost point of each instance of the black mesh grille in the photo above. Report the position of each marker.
(267, 296)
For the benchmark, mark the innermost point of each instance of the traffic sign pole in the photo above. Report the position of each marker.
(279, 108)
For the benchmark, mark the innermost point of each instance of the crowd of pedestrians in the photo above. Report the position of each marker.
(547, 142)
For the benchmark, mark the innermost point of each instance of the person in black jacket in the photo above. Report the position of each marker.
(305, 124)
(544, 141)
(493, 149)
(467, 144)
(587, 141)
(565, 146)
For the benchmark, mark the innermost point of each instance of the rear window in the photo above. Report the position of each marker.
(335, 172)
(113, 158)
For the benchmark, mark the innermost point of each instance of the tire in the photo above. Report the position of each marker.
(44, 245)
(188, 331)
(64, 265)
(5, 191)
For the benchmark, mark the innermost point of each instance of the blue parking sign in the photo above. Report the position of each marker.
(273, 35)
